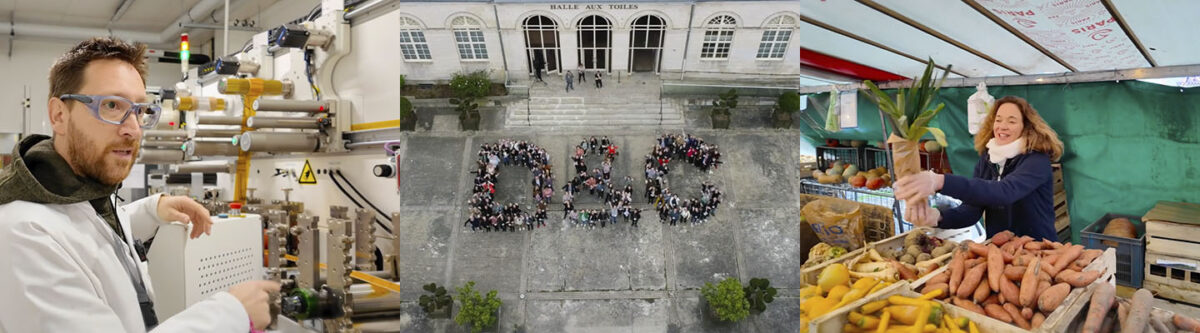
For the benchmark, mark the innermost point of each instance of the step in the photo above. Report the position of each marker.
(627, 116)
(595, 122)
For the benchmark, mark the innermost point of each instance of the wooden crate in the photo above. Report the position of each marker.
(834, 320)
(1062, 215)
(1180, 282)
(1062, 318)
(808, 276)
(1176, 239)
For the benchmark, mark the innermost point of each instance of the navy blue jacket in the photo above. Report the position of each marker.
(1021, 201)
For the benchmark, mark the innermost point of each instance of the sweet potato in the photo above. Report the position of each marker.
(993, 299)
(1028, 285)
(935, 286)
(1077, 279)
(1027, 313)
(1014, 273)
(977, 249)
(1068, 256)
(1053, 297)
(1102, 300)
(970, 306)
(1049, 269)
(1110, 321)
(1047, 244)
(1002, 237)
(1159, 325)
(957, 269)
(904, 272)
(995, 270)
(1009, 291)
(1043, 276)
(982, 292)
(1048, 259)
(1186, 324)
(944, 277)
(1037, 320)
(996, 311)
(1087, 256)
(1033, 246)
(1122, 313)
(1139, 312)
(971, 281)
(1015, 313)
(1042, 286)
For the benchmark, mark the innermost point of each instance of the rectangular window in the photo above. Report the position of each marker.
(470, 44)
(716, 44)
(774, 44)
(413, 45)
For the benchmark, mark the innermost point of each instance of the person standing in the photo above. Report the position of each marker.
(581, 71)
(599, 83)
(538, 64)
(570, 78)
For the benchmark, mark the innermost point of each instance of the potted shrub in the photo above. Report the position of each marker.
(408, 116)
(475, 311)
(438, 304)
(726, 300)
(788, 103)
(909, 114)
(469, 88)
(721, 107)
(759, 292)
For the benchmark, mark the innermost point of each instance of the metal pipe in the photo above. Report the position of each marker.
(165, 134)
(218, 132)
(367, 143)
(1020, 80)
(219, 120)
(365, 303)
(201, 148)
(280, 142)
(291, 106)
(160, 156)
(162, 143)
(273, 122)
(226, 167)
(363, 9)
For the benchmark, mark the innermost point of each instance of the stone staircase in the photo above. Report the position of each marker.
(632, 103)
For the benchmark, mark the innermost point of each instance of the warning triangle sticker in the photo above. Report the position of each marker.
(307, 177)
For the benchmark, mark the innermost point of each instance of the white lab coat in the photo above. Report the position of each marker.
(58, 274)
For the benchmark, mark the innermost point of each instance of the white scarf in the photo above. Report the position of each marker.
(998, 153)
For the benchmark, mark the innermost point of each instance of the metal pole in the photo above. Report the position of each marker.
(687, 42)
(225, 46)
(500, 37)
(891, 170)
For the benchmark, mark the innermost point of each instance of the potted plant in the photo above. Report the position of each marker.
(726, 300)
(909, 116)
(759, 292)
(721, 107)
(408, 116)
(469, 88)
(438, 304)
(788, 103)
(475, 311)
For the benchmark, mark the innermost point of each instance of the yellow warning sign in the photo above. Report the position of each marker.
(307, 177)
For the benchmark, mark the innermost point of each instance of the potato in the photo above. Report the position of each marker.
(1120, 227)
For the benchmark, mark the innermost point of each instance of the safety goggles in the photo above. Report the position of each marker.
(115, 109)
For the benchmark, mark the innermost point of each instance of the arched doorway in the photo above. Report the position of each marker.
(646, 43)
(541, 43)
(595, 43)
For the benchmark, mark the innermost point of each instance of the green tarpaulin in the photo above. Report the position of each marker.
(1128, 144)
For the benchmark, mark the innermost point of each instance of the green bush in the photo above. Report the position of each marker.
(725, 102)
(468, 89)
(759, 292)
(439, 300)
(727, 299)
(476, 311)
(406, 108)
(788, 102)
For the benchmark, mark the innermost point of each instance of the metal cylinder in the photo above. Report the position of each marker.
(168, 144)
(291, 106)
(211, 148)
(235, 86)
(280, 142)
(248, 67)
(277, 122)
(364, 303)
(226, 167)
(219, 120)
(192, 103)
(164, 134)
(160, 156)
(218, 132)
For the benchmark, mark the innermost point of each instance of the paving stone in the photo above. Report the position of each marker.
(430, 171)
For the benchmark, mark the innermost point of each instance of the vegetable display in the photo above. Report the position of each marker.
(898, 313)
(832, 291)
(822, 252)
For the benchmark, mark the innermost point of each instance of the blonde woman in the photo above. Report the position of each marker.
(1012, 181)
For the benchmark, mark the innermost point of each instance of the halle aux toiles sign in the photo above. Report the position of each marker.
(601, 6)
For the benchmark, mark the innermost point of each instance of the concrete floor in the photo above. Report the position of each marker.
(616, 279)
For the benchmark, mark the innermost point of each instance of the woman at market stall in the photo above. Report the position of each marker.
(1012, 182)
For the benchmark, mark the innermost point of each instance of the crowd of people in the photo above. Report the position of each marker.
(599, 182)
(489, 215)
(669, 206)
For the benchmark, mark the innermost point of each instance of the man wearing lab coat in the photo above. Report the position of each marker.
(67, 256)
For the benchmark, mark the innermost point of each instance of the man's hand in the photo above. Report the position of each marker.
(255, 297)
(186, 210)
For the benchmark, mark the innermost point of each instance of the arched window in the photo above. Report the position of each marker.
(718, 37)
(646, 43)
(468, 34)
(412, 40)
(776, 35)
(594, 42)
(541, 43)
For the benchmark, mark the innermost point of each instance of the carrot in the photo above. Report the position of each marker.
(1139, 312)
(1016, 315)
(1014, 273)
(904, 272)
(982, 292)
(970, 306)
(1009, 291)
(956, 270)
(1186, 324)
(1037, 320)
(1102, 300)
(1053, 297)
(970, 281)
(995, 262)
(1077, 279)
(996, 311)
(1002, 237)
(1028, 285)
(1067, 257)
